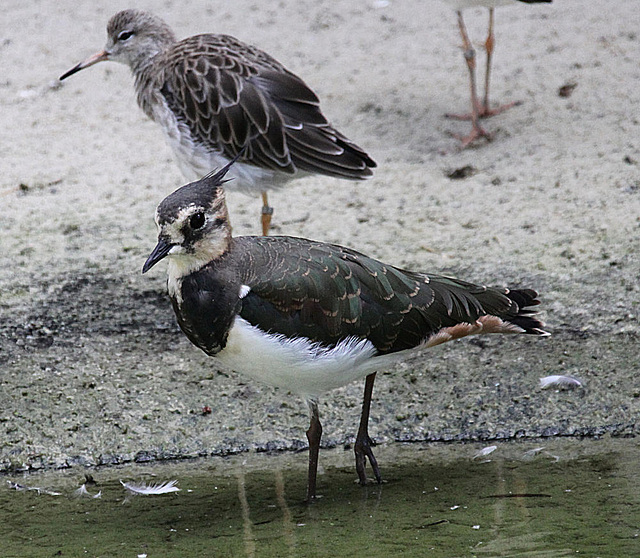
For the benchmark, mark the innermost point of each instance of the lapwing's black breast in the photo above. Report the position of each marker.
(209, 304)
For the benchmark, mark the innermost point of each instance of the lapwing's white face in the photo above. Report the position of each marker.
(198, 236)
(195, 235)
(193, 225)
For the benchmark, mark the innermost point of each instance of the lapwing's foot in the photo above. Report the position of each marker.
(363, 450)
(310, 500)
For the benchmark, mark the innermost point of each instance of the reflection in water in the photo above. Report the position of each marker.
(249, 541)
(531, 545)
(287, 519)
(512, 516)
(437, 502)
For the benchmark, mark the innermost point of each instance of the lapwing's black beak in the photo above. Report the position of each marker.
(159, 252)
(94, 59)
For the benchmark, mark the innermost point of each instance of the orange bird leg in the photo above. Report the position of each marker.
(267, 212)
(485, 111)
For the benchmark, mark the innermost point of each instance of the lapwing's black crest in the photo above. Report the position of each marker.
(201, 193)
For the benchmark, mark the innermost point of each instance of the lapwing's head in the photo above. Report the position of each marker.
(193, 225)
(134, 37)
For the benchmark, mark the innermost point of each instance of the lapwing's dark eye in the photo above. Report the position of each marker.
(197, 220)
(124, 35)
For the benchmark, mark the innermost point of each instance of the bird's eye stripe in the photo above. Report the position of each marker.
(124, 35)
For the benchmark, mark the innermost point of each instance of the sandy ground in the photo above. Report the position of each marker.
(92, 366)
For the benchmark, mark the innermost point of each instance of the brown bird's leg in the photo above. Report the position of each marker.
(313, 435)
(485, 111)
(470, 58)
(267, 212)
(362, 447)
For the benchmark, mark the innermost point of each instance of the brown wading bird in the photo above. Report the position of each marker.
(215, 97)
(310, 317)
(480, 110)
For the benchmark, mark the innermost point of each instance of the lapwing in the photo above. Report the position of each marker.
(307, 316)
(215, 97)
(478, 109)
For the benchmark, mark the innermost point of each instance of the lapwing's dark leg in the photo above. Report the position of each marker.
(470, 58)
(485, 110)
(313, 435)
(267, 212)
(362, 447)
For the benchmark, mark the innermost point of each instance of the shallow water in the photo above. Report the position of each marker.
(572, 498)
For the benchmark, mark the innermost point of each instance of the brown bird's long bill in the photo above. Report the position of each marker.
(94, 59)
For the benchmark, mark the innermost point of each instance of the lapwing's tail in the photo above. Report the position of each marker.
(526, 319)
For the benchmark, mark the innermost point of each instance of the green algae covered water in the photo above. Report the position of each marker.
(553, 498)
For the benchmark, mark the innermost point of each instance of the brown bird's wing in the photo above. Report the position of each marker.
(232, 96)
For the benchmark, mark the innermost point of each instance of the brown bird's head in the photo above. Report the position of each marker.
(134, 38)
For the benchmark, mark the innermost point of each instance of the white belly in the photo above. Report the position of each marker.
(195, 161)
(299, 365)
